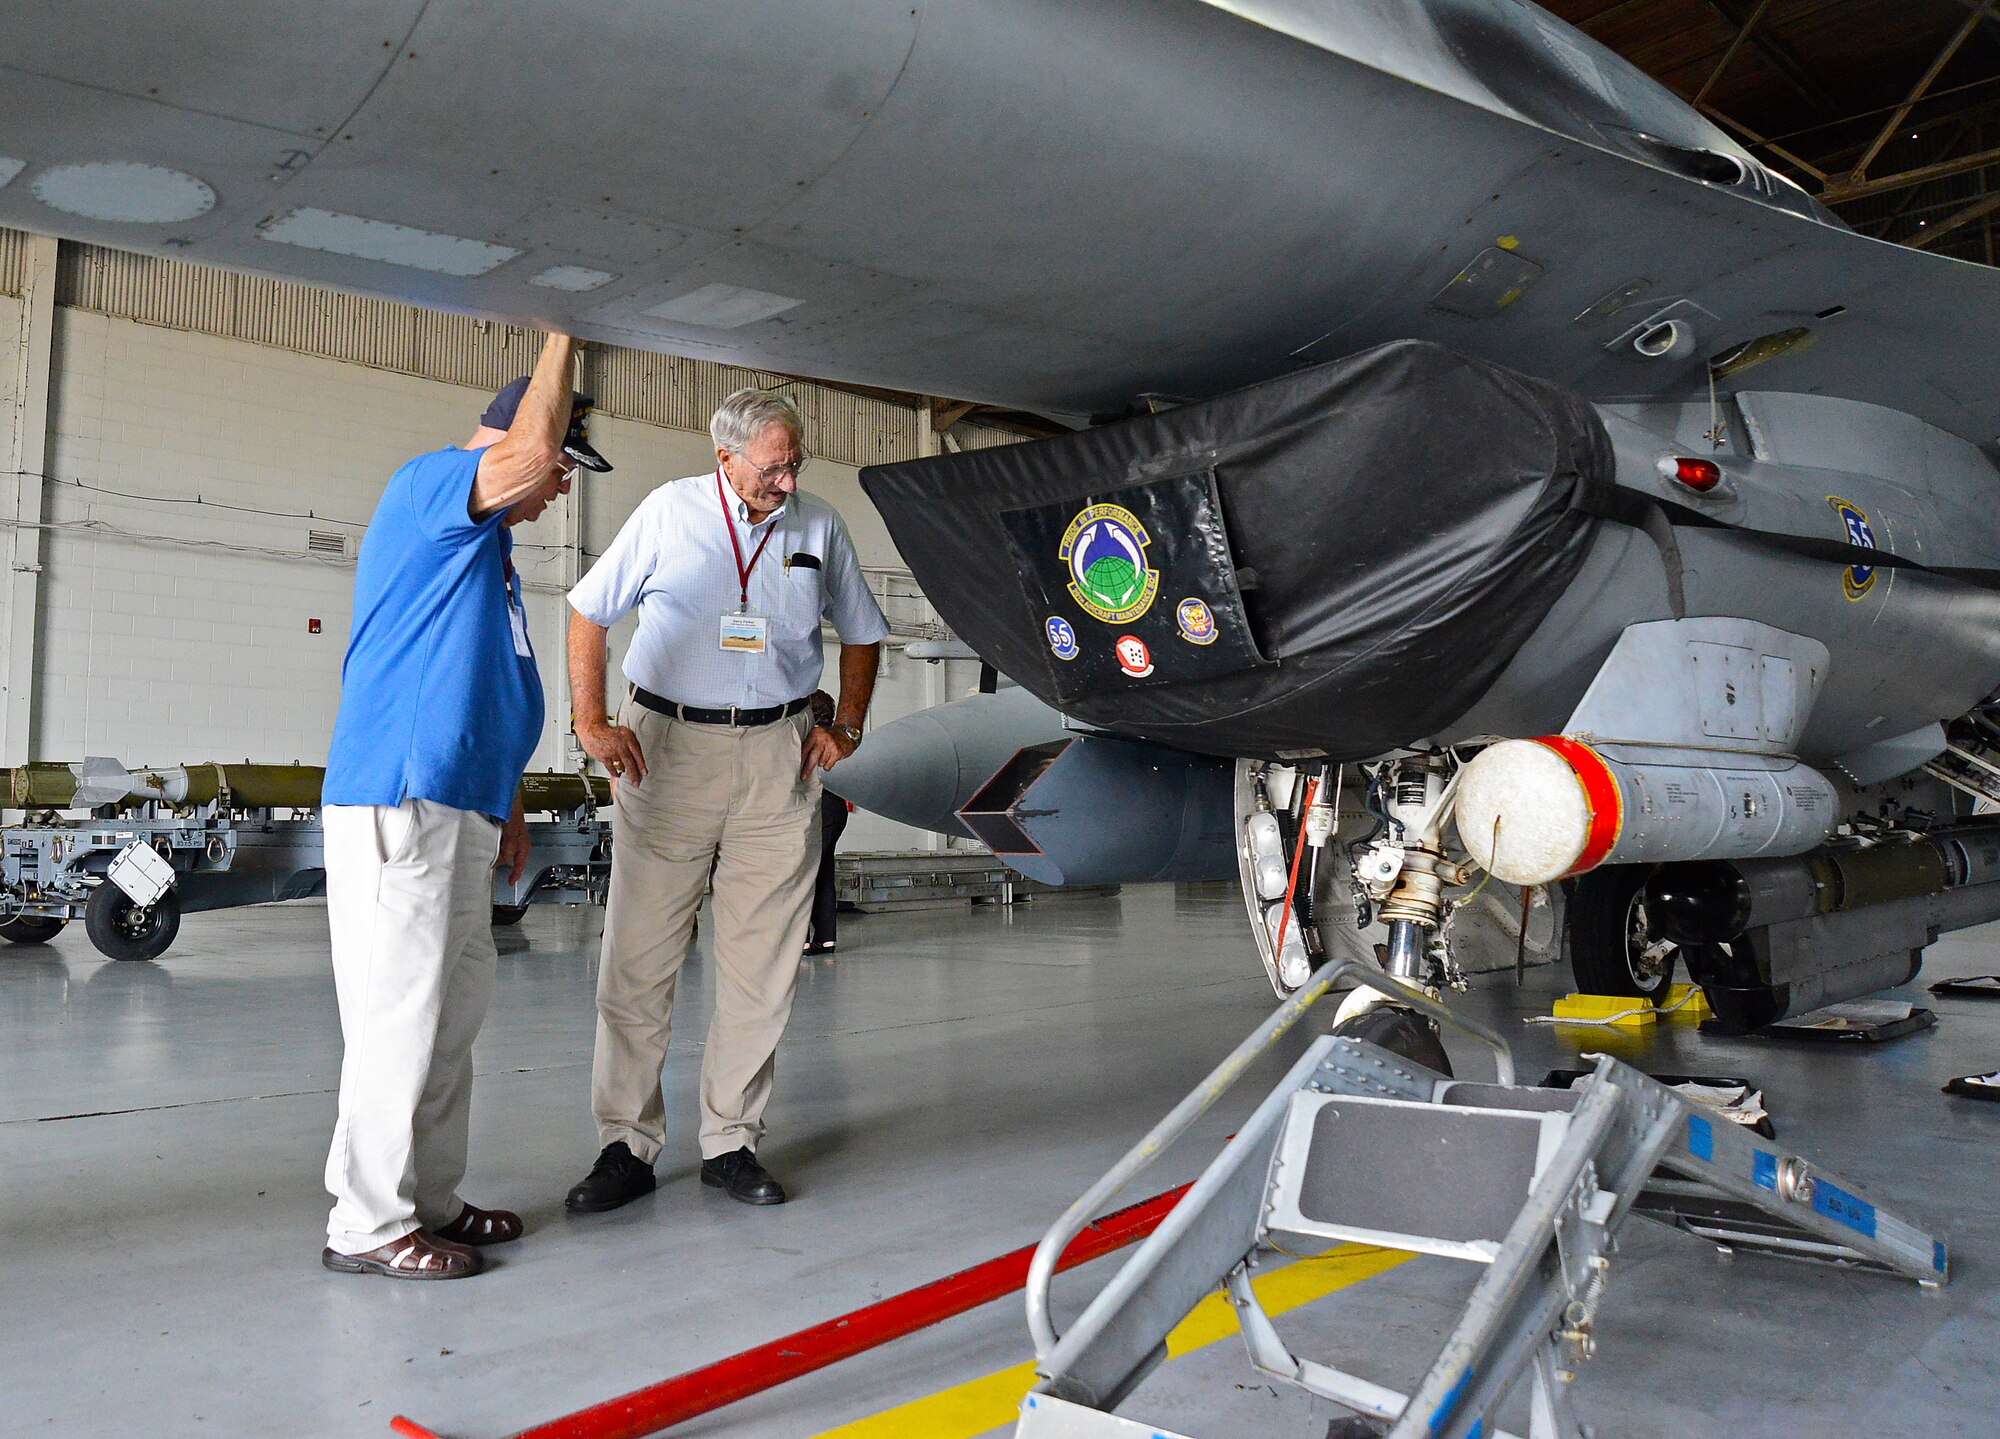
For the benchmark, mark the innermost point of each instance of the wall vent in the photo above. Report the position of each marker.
(326, 542)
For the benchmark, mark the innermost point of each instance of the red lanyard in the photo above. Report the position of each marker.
(742, 570)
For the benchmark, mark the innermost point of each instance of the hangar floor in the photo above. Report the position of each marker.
(952, 1080)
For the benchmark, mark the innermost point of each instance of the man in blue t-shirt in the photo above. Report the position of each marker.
(440, 709)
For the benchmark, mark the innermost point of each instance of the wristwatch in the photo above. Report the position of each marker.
(853, 732)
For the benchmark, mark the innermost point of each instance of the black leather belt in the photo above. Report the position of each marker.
(731, 716)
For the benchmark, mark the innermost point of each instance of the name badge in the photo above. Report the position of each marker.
(519, 623)
(745, 634)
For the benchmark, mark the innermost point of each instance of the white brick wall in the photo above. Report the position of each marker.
(156, 653)
(10, 344)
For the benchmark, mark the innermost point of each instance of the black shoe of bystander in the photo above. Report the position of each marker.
(740, 1176)
(618, 1178)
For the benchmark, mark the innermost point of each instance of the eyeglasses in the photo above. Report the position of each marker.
(768, 473)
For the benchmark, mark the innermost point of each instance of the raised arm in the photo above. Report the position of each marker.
(516, 465)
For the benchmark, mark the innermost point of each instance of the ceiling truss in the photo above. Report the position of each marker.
(1887, 110)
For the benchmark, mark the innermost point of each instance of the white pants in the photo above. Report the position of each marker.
(409, 899)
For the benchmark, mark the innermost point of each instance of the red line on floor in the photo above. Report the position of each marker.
(711, 1387)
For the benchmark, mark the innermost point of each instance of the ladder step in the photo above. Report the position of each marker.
(1405, 1174)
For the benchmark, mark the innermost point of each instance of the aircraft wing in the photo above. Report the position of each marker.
(1024, 202)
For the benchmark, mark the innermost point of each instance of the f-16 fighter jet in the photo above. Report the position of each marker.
(1522, 483)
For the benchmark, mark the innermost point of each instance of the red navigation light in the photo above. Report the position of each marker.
(1701, 476)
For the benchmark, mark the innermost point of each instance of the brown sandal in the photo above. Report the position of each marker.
(417, 1255)
(483, 1226)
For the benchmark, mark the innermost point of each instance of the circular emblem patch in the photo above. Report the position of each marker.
(1062, 639)
(1856, 580)
(1105, 551)
(1196, 622)
(1133, 656)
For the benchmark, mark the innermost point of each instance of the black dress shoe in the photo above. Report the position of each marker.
(618, 1177)
(740, 1176)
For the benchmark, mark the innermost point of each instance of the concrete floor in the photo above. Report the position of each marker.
(951, 1081)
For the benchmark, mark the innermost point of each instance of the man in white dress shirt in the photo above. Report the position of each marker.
(714, 761)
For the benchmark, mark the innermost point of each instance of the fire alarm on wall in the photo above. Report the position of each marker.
(312, 627)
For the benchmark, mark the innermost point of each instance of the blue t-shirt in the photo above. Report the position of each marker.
(439, 696)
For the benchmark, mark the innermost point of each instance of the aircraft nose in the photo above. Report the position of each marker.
(907, 771)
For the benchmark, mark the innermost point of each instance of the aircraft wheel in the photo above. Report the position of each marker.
(29, 929)
(122, 930)
(1400, 1031)
(1612, 947)
(508, 914)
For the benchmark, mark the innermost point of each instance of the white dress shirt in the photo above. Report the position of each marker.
(673, 560)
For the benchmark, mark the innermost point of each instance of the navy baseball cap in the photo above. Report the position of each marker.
(500, 416)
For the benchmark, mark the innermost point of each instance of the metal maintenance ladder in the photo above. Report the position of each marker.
(1358, 1144)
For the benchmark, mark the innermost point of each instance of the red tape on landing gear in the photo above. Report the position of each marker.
(1601, 797)
(649, 1410)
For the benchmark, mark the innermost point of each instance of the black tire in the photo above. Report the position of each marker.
(508, 914)
(29, 929)
(1609, 936)
(122, 930)
(1400, 1031)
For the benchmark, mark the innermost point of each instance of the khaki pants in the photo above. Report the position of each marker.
(733, 797)
(409, 901)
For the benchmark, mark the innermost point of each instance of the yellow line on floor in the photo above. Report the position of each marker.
(987, 1403)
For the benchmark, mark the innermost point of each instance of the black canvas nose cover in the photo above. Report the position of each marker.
(1338, 561)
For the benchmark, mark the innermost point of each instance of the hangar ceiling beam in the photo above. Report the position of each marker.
(1840, 190)
(1917, 91)
(1779, 58)
(1933, 233)
(26, 484)
(946, 413)
(1742, 34)
(1915, 193)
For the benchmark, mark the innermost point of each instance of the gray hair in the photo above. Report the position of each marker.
(743, 416)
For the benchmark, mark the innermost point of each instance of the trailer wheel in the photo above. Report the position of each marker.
(30, 929)
(1612, 946)
(508, 914)
(122, 930)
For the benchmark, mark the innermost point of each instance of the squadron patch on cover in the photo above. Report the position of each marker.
(1152, 562)
(1196, 622)
(1104, 549)
(1856, 580)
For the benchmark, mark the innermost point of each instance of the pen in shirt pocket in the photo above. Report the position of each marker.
(803, 560)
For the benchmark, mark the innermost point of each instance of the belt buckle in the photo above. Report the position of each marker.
(732, 718)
